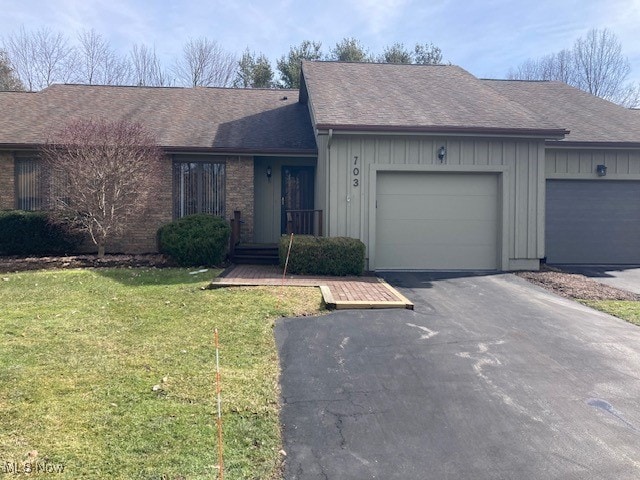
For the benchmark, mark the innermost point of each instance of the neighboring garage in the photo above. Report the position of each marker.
(593, 222)
(427, 220)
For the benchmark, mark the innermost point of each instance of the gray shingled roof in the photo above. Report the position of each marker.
(217, 119)
(590, 119)
(443, 98)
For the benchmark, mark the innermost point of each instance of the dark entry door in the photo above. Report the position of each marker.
(297, 198)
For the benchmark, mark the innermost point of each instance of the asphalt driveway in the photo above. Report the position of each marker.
(488, 378)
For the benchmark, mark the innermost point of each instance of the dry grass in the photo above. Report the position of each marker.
(80, 352)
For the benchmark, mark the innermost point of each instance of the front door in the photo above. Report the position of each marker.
(297, 199)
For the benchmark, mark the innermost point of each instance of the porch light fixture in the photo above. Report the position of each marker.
(601, 170)
(442, 152)
(269, 172)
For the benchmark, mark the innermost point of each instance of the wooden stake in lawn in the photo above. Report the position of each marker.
(284, 273)
(220, 461)
(286, 262)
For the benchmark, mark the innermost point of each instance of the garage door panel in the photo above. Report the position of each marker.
(436, 207)
(447, 185)
(438, 257)
(438, 221)
(438, 231)
(594, 222)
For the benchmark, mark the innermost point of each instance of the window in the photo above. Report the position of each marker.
(198, 187)
(30, 185)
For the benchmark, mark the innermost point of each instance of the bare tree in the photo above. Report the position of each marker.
(595, 64)
(104, 174)
(600, 67)
(205, 64)
(146, 69)
(98, 63)
(41, 58)
(556, 66)
(8, 79)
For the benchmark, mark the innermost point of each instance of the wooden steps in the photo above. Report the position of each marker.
(256, 254)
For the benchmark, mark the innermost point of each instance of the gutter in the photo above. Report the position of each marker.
(299, 152)
(550, 133)
(560, 144)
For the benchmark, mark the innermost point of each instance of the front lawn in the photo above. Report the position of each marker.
(81, 352)
(626, 310)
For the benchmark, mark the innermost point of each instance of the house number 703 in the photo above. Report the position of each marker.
(356, 171)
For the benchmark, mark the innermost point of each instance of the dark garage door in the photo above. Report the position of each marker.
(593, 222)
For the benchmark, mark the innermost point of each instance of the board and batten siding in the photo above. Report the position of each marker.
(267, 205)
(519, 163)
(580, 164)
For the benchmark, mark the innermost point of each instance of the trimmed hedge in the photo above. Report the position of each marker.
(194, 240)
(35, 233)
(323, 255)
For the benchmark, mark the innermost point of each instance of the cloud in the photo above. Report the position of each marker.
(380, 15)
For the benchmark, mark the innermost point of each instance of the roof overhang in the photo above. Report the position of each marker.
(289, 152)
(555, 133)
(586, 145)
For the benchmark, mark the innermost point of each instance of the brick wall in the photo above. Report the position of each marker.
(7, 181)
(240, 195)
(142, 238)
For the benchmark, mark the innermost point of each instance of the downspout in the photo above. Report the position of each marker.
(328, 181)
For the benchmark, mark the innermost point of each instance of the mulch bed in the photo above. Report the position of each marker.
(571, 285)
(15, 264)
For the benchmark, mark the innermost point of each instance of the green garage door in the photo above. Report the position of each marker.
(593, 222)
(436, 221)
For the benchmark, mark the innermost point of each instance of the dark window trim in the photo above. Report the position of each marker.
(39, 202)
(217, 162)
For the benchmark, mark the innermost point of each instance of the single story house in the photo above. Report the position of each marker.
(431, 167)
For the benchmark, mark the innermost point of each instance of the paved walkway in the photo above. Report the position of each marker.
(338, 292)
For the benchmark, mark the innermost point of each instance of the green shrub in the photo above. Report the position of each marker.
(199, 239)
(35, 233)
(323, 255)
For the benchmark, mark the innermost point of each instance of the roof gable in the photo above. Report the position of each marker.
(443, 98)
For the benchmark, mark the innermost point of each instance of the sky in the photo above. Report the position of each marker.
(486, 38)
